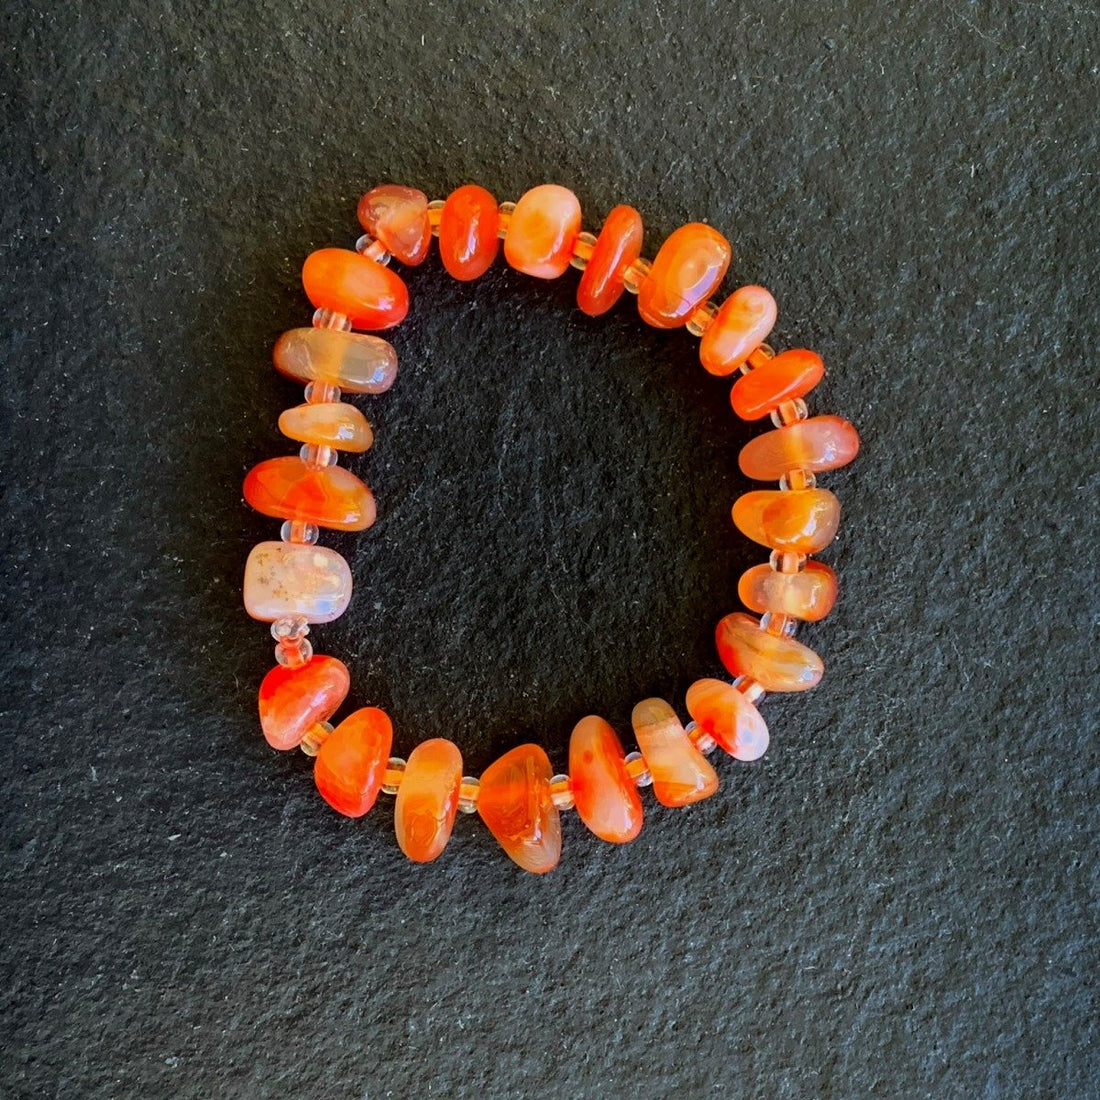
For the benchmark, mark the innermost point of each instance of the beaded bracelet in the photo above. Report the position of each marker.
(294, 582)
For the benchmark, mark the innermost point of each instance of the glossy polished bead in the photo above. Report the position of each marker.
(515, 803)
(604, 795)
(775, 662)
(617, 247)
(726, 715)
(801, 521)
(690, 264)
(351, 763)
(329, 496)
(820, 443)
(541, 231)
(398, 217)
(808, 594)
(427, 800)
(681, 773)
(293, 699)
(740, 326)
(372, 296)
(790, 375)
(468, 241)
(288, 578)
(328, 424)
(331, 357)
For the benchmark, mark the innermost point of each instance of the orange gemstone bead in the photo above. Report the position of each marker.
(350, 360)
(604, 795)
(427, 800)
(801, 521)
(790, 375)
(371, 295)
(541, 232)
(808, 594)
(328, 424)
(617, 247)
(820, 443)
(329, 496)
(723, 712)
(292, 700)
(681, 773)
(775, 662)
(351, 763)
(690, 264)
(468, 240)
(398, 217)
(739, 327)
(515, 803)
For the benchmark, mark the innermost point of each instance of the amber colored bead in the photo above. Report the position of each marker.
(820, 443)
(350, 360)
(808, 594)
(293, 699)
(427, 800)
(739, 327)
(398, 217)
(617, 247)
(372, 296)
(681, 773)
(541, 232)
(468, 239)
(329, 496)
(790, 375)
(723, 712)
(296, 579)
(328, 424)
(690, 264)
(776, 662)
(351, 763)
(801, 521)
(604, 795)
(515, 803)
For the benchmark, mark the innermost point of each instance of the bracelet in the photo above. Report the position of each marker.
(293, 583)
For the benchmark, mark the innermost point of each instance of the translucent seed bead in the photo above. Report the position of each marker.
(395, 772)
(290, 627)
(561, 792)
(373, 250)
(322, 393)
(315, 457)
(435, 214)
(297, 531)
(798, 479)
(757, 358)
(702, 318)
(467, 794)
(329, 318)
(750, 689)
(782, 626)
(637, 770)
(700, 738)
(789, 412)
(582, 250)
(293, 653)
(505, 209)
(315, 738)
(786, 562)
(636, 274)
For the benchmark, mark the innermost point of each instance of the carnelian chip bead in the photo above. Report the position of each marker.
(352, 361)
(289, 578)
(468, 225)
(372, 296)
(328, 496)
(741, 325)
(398, 217)
(515, 802)
(333, 424)
(541, 231)
(618, 245)
(604, 795)
(786, 377)
(681, 773)
(689, 265)
(351, 764)
(427, 800)
(726, 715)
(800, 521)
(293, 699)
(820, 443)
(776, 662)
(808, 594)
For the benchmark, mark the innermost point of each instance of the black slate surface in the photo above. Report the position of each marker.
(899, 900)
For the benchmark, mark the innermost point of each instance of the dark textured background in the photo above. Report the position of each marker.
(900, 900)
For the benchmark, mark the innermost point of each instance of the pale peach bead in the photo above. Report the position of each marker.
(681, 773)
(605, 797)
(328, 424)
(800, 521)
(820, 443)
(351, 360)
(287, 578)
(775, 662)
(741, 325)
(725, 714)
(808, 594)
(427, 800)
(541, 231)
